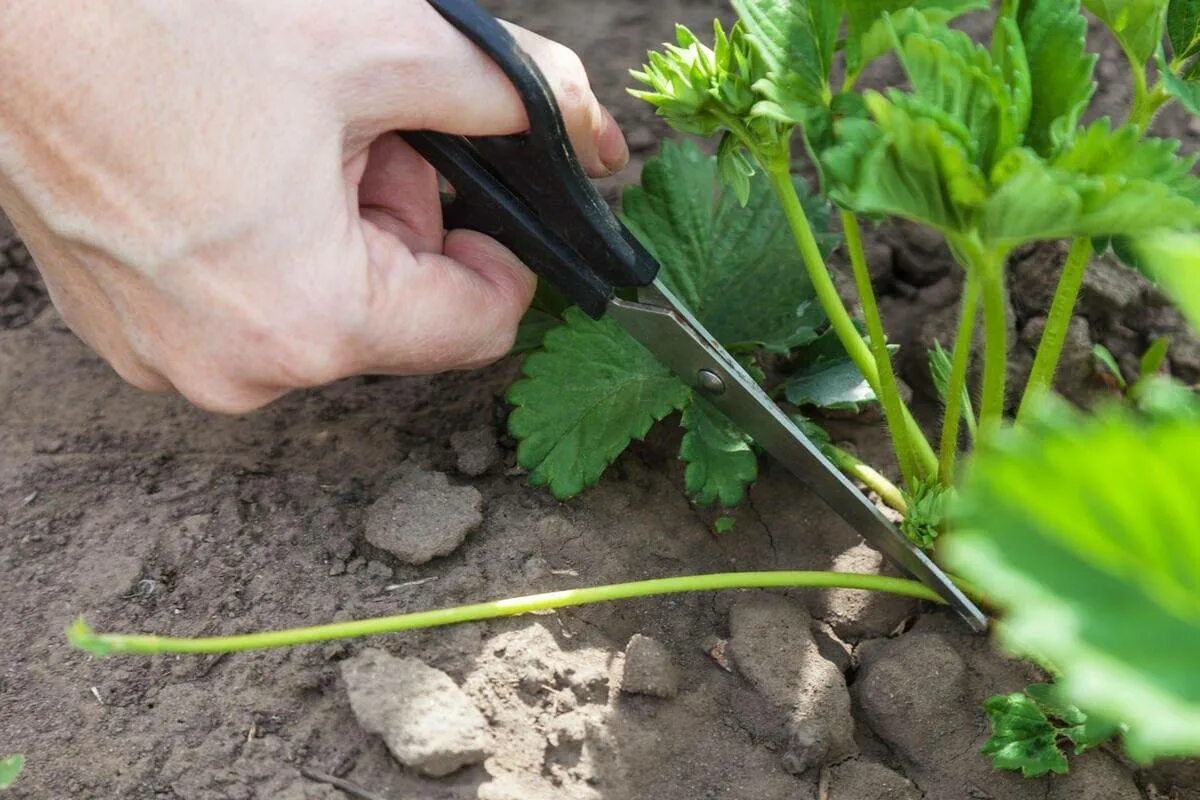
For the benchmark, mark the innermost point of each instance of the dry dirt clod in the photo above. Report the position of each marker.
(422, 516)
(476, 451)
(866, 780)
(649, 668)
(427, 721)
(774, 649)
(855, 615)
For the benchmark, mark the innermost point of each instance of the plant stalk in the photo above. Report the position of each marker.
(101, 644)
(1050, 348)
(780, 175)
(889, 389)
(995, 345)
(960, 363)
(867, 475)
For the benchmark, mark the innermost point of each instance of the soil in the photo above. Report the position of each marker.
(145, 514)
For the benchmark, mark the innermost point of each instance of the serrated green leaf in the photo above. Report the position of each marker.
(871, 23)
(718, 256)
(1022, 737)
(1084, 730)
(10, 770)
(955, 81)
(1054, 33)
(1105, 183)
(583, 398)
(1086, 533)
(720, 460)
(796, 40)
(724, 524)
(1183, 28)
(1139, 25)
(905, 164)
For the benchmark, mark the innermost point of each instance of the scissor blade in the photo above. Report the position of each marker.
(677, 339)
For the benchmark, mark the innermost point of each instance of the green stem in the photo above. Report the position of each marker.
(779, 173)
(995, 344)
(956, 392)
(889, 390)
(888, 492)
(1058, 322)
(101, 644)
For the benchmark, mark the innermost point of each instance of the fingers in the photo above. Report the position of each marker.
(398, 193)
(434, 312)
(406, 68)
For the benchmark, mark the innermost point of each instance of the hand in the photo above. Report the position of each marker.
(217, 203)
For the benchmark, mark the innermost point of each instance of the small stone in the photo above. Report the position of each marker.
(649, 669)
(426, 720)
(866, 780)
(377, 570)
(476, 451)
(423, 516)
(774, 649)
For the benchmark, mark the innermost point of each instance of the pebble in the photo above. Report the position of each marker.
(774, 649)
(428, 722)
(476, 451)
(423, 516)
(649, 668)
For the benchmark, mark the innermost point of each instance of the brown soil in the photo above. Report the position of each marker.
(145, 514)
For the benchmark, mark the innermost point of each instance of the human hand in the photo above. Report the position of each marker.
(217, 204)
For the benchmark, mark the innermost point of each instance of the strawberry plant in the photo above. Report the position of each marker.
(1080, 529)
(10, 770)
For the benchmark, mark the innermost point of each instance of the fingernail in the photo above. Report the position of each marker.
(614, 151)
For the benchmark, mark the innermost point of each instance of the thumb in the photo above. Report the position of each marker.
(407, 68)
(433, 312)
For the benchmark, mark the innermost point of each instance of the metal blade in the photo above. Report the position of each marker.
(677, 339)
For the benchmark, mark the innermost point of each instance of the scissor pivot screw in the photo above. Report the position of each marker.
(709, 382)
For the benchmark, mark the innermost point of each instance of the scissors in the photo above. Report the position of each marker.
(529, 192)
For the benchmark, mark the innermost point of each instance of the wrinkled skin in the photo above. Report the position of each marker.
(217, 203)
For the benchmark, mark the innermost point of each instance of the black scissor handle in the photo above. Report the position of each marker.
(528, 191)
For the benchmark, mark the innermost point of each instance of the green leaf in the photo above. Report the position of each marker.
(532, 330)
(905, 164)
(829, 379)
(926, 515)
(1183, 28)
(871, 24)
(583, 398)
(1109, 361)
(736, 268)
(1173, 260)
(955, 82)
(10, 770)
(1186, 92)
(1086, 533)
(796, 40)
(1022, 737)
(720, 460)
(1105, 183)
(1084, 730)
(724, 524)
(940, 367)
(1139, 25)
(1054, 33)
(1154, 357)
